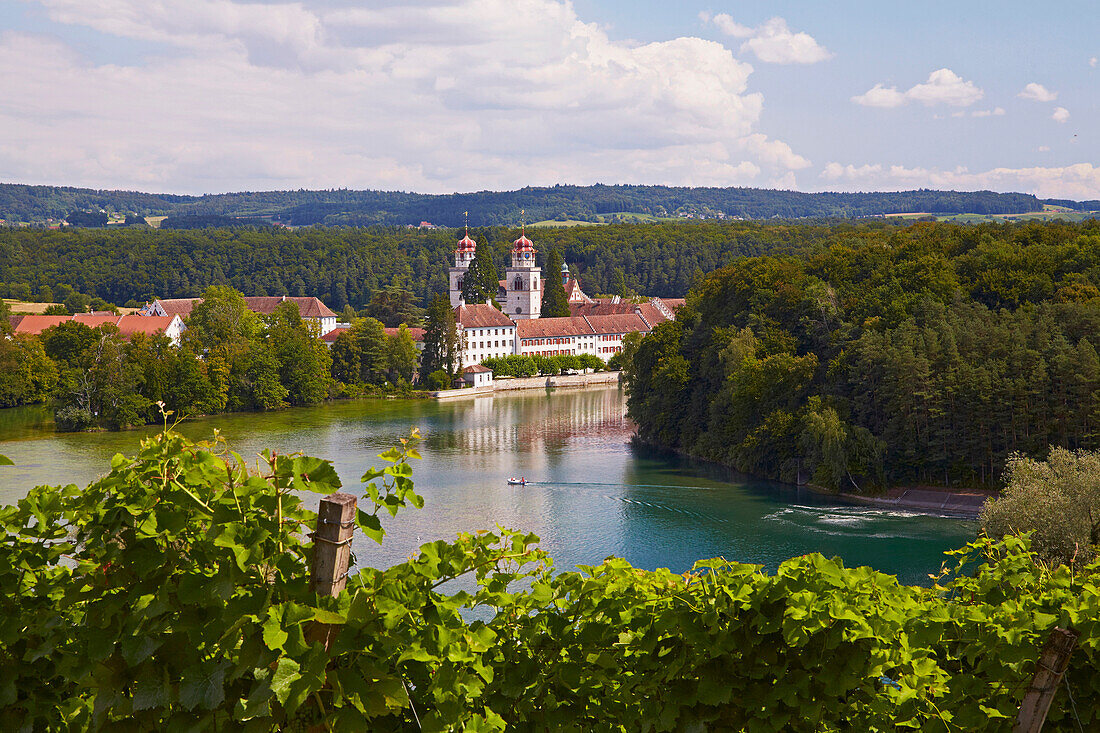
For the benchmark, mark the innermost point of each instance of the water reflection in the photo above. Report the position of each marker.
(593, 495)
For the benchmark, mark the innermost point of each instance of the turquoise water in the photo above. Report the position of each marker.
(592, 495)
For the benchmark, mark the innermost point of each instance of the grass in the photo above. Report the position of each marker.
(20, 306)
(565, 223)
(1048, 213)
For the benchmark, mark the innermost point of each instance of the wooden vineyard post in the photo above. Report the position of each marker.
(1051, 666)
(328, 574)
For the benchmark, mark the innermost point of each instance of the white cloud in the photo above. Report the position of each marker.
(432, 96)
(1038, 93)
(726, 24)
(1093, 61)
(943, 86)
(773, 42)
(1061, 114)
(995, 112)
(1079, 181)
(880, 96)
(1044, 148)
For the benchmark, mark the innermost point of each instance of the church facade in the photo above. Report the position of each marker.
(594, 327)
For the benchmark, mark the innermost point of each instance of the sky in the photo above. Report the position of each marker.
(437, 96)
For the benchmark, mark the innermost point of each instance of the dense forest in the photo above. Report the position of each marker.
(926, 354)
(343, 265)
(500, 208)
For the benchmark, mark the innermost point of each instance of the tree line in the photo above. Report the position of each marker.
(499, 208)
(928, 356)
(347, 266)
(230, 359)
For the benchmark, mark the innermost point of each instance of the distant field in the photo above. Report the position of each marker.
(565, 223)
(18, 306)
(1048, 213)
(154, 221)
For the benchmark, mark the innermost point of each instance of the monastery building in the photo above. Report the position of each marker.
(593, 326)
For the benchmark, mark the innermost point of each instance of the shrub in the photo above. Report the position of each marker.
(73, 419)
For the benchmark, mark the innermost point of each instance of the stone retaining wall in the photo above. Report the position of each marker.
(517, 383)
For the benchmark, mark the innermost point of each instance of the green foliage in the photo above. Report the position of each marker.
(27, 374)
(441, 347)
(437, 380)
(20, 202)
(392, 306)
(516, 365)
(555, 301)
(918, 357)
(173, 595)
(1057, 501)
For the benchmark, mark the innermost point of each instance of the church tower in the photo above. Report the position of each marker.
(464, 255)
(524, 299)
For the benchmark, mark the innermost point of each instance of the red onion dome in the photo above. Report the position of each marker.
(523, 244)
(466, 244)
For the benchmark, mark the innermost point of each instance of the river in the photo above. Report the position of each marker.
(592, 495)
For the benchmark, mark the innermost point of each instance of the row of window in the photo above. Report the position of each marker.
(568, 340)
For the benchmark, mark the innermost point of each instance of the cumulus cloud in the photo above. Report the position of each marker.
(773, 42)
(1079, 181)
(433, 96)
(995, 112)
(943, 86)
(1093, 61)
(881, 96)
(1038, 93)
(1060, 114)
(1044, 148)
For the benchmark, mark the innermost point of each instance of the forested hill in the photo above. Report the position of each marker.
(21, 203)
(928, 354)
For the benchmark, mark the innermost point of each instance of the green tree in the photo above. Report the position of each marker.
(555, 302)
(373, 349)
(1057, 500)
(305, 365)
(440, 339)
(345, 358)
(402, 356)
(27, 374)
(393, 305)
(473, 286)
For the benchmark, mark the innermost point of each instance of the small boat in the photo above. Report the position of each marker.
(517, 481)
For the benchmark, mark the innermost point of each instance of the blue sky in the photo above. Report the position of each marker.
(196, 96)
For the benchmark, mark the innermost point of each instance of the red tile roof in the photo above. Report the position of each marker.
(36, 324)
(127, 325)
(330, 337)
(416, 333)
(179, 306)
(648, 311)
(477, 369)
(624, 323)
(480, 315)
(309, 307)
(553, 327)
(149, 325)
(92, 320)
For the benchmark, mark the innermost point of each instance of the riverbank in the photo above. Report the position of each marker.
(931, 500)
(511, 384)
(924, 499)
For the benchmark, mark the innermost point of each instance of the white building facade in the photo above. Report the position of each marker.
(485, 332)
